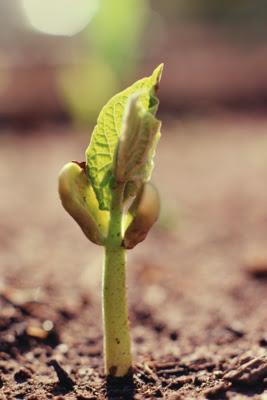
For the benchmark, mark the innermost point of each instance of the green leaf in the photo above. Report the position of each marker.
(140, 133)
(101, 151)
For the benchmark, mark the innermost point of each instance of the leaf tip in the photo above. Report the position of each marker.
(156, 75)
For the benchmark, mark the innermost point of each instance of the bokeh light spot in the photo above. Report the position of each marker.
(59, 17)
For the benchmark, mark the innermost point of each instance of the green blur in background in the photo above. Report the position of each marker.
(65, 57)
(114, 47)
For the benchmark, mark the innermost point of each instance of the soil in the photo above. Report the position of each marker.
(197, 285)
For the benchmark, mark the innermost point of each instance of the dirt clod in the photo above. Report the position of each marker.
(217, 390)
(64, 379)
(249, 373)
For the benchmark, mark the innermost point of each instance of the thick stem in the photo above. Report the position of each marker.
(117, 346)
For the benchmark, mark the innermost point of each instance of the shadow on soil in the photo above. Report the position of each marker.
(120, 388)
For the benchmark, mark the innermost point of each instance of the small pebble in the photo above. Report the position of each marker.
(263, 341)
(48, 325)
(36, 332)
(256, 266)
(62, 348)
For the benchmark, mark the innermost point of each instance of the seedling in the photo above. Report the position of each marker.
(111, 199)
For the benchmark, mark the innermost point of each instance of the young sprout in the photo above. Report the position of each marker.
(111, 199)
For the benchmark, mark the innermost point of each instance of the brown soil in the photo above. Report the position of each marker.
(197, 285)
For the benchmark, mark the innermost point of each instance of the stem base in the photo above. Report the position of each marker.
(117, 345)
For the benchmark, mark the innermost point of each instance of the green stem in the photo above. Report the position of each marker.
(117, 346)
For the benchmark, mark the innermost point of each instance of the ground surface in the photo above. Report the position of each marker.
(197, 285)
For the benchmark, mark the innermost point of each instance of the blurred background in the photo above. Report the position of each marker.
(197, 284)
(61, 60)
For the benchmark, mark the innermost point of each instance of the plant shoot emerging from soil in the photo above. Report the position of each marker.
(110, 197)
